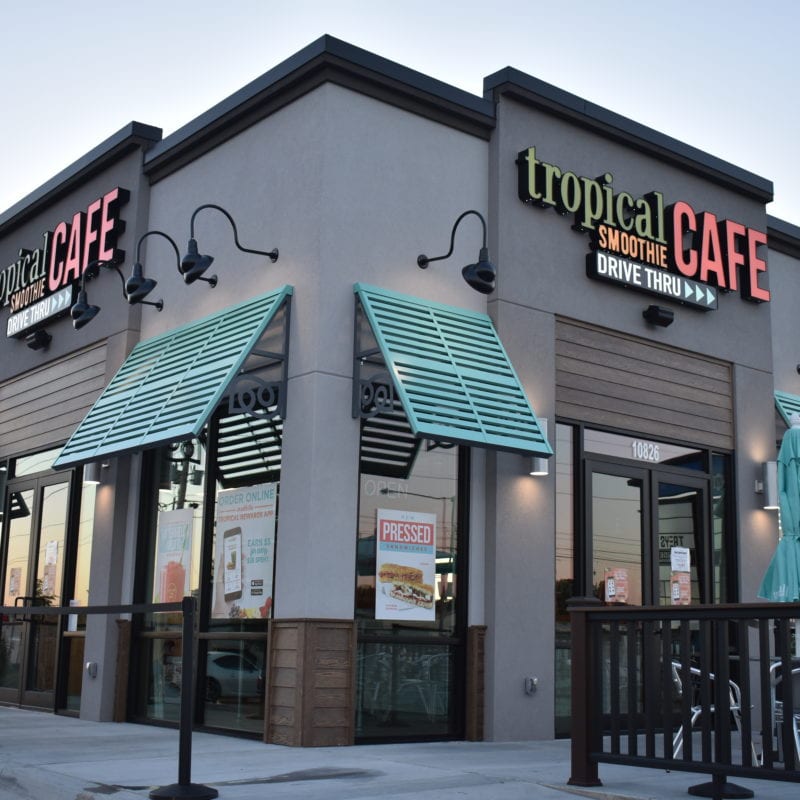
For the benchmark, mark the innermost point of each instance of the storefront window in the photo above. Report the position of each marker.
(41, 542)
(211, 534)
(74, 635)
(409, 601)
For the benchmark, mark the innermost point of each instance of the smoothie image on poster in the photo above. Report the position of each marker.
(232, 556)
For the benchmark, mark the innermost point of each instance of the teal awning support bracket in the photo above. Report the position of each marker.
(448, 369)
(253, 395)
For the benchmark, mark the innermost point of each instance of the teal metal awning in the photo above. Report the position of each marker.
(169, 385)
(450, 371)
(787, 404)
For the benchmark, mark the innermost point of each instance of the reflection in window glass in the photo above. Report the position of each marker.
(31, 465)
(235, 685)
(719, 523)
(565, 561)
(84, 550)
(617, 534)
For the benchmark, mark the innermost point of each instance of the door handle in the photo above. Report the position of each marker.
(23, 597)
(23, 604)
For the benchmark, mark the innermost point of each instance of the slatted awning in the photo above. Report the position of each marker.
(787, 404)
(169, 385)
(449, 370)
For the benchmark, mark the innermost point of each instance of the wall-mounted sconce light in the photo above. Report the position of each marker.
(768, 485)
(38, 340)
(540, 467)
(658, 315)
(480, 276)
(92, 473)
(193, 264)
(135, 289)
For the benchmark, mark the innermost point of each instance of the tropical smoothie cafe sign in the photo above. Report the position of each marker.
(671, 251)
(39, 286)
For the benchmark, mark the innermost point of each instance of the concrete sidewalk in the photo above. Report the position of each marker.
(49, 757)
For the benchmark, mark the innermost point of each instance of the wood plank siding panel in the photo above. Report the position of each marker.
(43, 407)
(311, 697)
(612, 380)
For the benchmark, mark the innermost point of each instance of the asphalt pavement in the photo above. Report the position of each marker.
(51, 757)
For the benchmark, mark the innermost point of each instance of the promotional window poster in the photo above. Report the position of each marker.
(405, 565)
(173, 555)
(616, 585)
(244, 552)
(681, 577)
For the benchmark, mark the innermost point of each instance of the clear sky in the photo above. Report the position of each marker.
(721, 75)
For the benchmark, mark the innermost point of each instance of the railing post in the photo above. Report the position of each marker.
(583, 770)
(184, 788)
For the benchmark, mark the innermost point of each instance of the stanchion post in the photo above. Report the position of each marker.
(184, 788)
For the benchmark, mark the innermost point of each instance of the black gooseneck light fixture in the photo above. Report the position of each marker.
(137, 287)
(134, 291)
(81, 312)
(480, 276)
(194, 264)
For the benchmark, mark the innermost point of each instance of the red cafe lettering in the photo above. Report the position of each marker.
(66, 251)
(91, 235)
(697, 245)
(720, 253)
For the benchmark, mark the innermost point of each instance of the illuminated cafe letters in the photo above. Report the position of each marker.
(91, 235)
(39, 284)
(643, 236)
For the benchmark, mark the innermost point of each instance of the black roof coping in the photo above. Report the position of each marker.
(327, 58)
(783, 236)
(134, 135)
(512, 82)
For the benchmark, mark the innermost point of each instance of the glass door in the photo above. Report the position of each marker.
(617, 543)
(648, 532)
(37, 514)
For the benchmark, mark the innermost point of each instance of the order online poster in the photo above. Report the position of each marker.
(405, 565)
(244, 552)
(173, 555)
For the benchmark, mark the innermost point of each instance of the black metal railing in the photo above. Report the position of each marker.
(692, 688)
(188, 608)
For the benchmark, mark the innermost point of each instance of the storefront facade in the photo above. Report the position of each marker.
(326, 425)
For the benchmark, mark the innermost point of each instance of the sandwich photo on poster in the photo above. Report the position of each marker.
(173, 555)
(244, 552)
(405, 563)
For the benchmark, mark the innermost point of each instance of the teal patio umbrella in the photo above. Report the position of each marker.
(781, 582)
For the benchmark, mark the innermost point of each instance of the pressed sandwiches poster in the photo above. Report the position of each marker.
(406, 565)
(244, 551)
